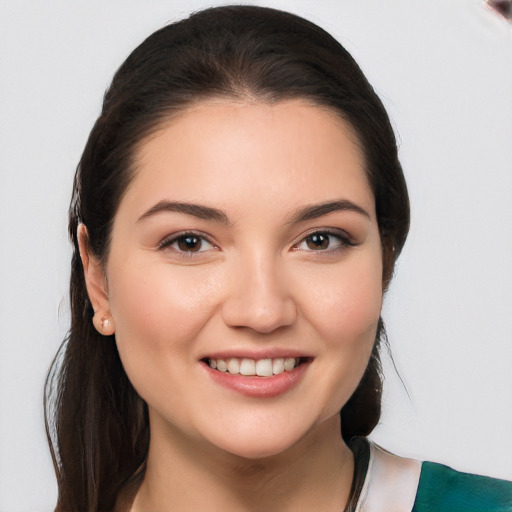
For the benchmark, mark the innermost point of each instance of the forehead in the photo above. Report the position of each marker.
(223, 150)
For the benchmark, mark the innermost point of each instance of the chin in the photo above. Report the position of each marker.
(258, 444)
(258, 451)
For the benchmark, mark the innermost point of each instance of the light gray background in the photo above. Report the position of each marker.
(444, 71)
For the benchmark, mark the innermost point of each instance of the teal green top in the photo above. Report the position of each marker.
(442, 489)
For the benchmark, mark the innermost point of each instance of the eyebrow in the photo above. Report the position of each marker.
(196, 210)
(319, 210)
(208, 213)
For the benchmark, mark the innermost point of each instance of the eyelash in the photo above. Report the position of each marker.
(176, 238)
(343, 239)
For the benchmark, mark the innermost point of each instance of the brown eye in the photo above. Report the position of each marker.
(189, 243)
(318, 241)
(324, 241)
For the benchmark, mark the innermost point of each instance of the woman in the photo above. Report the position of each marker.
(236, 217)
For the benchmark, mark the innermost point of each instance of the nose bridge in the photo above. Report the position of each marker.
(260, 297)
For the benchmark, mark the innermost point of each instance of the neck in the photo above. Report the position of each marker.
(315, 474)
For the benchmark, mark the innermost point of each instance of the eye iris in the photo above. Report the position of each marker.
(189, 243)
(318, 241)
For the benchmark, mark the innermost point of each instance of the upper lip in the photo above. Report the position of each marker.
(268, 353)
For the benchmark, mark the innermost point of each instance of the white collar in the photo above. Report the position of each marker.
(391, 482)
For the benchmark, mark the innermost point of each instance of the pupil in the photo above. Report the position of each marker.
(189, 243)
(318, 241)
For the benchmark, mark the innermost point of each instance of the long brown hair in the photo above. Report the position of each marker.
(97, 424)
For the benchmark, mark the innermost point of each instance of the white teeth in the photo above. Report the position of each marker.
(250, 367)
(264, 367)
(233, 365)
(278, 366)
(247, 367)
(221, 365)
(289, 364)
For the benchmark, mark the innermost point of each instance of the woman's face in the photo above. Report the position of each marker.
(248, 240)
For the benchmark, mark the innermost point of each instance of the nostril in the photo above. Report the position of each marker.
(264, 318)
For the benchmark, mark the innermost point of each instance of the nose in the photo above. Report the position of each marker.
(259, 298)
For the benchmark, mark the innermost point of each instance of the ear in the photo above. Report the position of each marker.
(96, 284)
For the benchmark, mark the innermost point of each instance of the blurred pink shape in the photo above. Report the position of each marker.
(501, 7)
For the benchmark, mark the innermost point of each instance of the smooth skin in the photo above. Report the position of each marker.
(219, 245)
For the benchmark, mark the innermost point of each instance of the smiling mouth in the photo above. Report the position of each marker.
(255, 367)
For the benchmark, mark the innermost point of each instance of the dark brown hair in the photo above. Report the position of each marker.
(97, 424)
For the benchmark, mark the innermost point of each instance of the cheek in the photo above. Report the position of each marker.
(349, 303)
(361, 303)
(345, 312)
(159, 310)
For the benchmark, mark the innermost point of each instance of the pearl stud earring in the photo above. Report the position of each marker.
(105, 325)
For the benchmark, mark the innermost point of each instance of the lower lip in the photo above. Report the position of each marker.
(259, 387)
